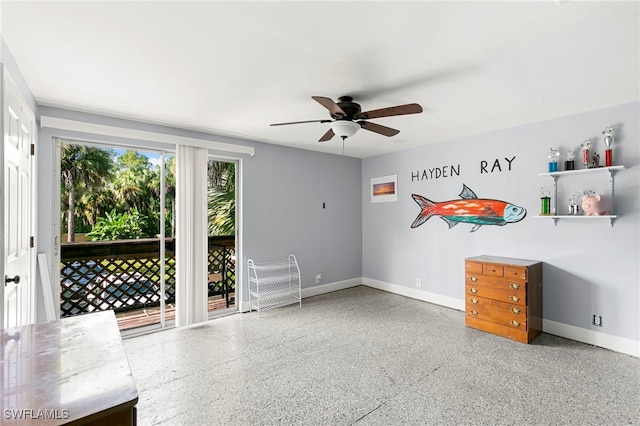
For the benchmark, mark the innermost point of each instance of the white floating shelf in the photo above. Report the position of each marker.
(555, 175)
(582, 171)
(556, 217)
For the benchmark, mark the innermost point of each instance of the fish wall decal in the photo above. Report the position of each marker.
(470, 209)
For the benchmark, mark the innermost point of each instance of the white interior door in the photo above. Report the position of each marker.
(18, 136)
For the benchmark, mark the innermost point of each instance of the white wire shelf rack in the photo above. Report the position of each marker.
(274, 284)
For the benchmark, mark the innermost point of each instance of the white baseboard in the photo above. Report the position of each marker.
(591, 337)
(437, 299)
(316, 290)
(328, 288)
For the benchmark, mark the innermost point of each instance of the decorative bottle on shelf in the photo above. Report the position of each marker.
(553, 160)
(569, 163)
(545, 201)
(586, 153)
(608, 141)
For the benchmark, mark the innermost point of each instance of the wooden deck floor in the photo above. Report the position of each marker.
(141, 317)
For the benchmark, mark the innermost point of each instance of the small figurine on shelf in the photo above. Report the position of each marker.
(569, 162)
(596, 205)
(586, 153)
(553, 160)
(545, 199)
(595, 161)
(608, 141)
(574, 204)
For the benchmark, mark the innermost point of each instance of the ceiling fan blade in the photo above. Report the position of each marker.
(391, 111)
(377, 128)
(327, 136)
(329, 104)
(300, 122)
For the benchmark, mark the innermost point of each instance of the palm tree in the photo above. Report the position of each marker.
(83, 169)
(127, 189)
(170, 193)
(221, 198)
(95, 204)
(137, 186)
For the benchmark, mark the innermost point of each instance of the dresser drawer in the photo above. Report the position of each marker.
(494, 270)
(500, 283)
(508, 295)
(473, 267)
(510, 332)
(515, 272)
(507, 321)
(515, 311)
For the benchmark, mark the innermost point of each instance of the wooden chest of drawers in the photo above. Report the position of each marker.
(504, 296)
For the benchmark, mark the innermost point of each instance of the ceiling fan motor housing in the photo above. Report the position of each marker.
(348, 106)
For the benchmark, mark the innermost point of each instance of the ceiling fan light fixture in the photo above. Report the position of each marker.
(344, 129)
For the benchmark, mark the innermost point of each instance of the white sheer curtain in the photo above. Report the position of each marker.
(191, 235)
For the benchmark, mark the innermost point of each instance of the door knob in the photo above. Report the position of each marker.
(15, 279)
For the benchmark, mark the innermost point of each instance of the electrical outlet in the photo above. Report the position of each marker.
(597, 320)
(318, 278)
(418, 283)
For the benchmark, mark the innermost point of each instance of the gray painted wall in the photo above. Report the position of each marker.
(284, 192)
(589, 267)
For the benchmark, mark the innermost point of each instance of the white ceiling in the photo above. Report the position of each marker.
(232, 68)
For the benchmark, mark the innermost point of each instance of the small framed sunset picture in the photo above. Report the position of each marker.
(384, 189)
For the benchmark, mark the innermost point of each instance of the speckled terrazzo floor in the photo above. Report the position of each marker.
(367, 357)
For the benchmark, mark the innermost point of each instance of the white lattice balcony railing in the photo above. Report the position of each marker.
(125, 275)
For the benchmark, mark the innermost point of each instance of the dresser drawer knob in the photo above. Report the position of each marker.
(514, 298)
(514, 286)
(515, 310)
(474, 301)
(515, 323)
(474, 313)
(473, 279)
(473, 290)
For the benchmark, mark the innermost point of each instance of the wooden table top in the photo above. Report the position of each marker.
(66, 371)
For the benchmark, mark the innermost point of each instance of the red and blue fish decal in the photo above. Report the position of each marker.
(470, 209)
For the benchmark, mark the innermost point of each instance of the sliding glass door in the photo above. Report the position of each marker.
(118, 227)
(117, 220)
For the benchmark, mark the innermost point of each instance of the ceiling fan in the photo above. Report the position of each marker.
(345, 112)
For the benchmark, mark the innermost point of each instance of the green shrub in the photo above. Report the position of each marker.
(119, 226)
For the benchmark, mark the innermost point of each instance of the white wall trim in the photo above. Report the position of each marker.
(425, 296)
(591, 337)
(315, 290)
(122, 132)
(328, 288)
